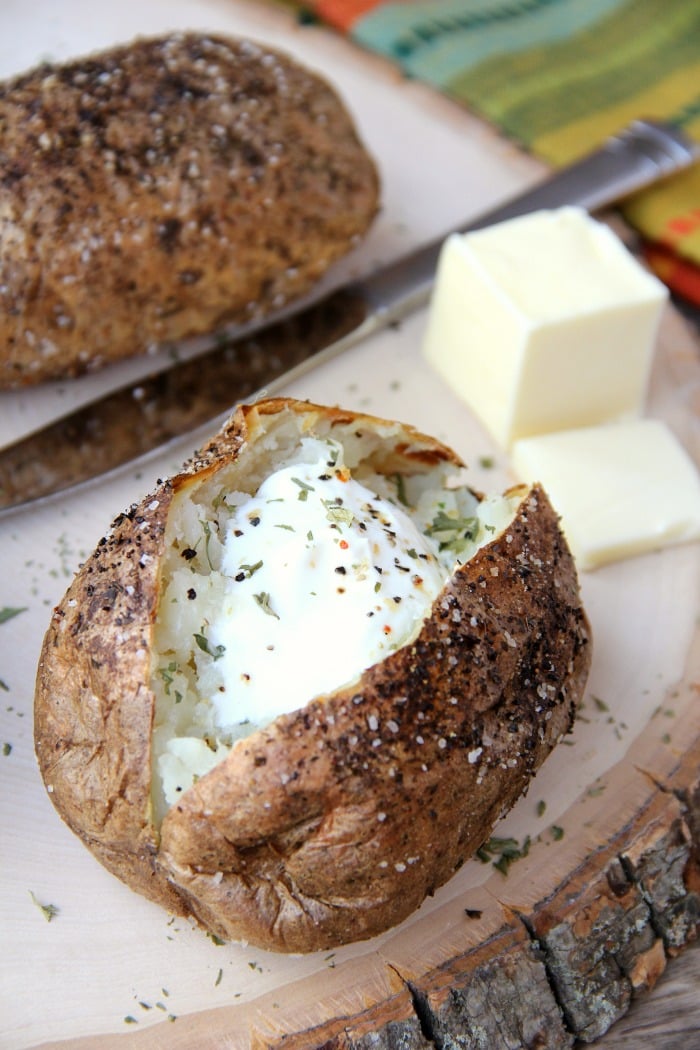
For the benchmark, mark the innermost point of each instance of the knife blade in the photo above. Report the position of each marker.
(137, 420)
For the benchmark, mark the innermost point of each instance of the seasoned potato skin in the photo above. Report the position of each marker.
(162, 189)
(335, 821)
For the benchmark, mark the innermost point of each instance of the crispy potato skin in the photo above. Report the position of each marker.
(335, 821)
(162, 189)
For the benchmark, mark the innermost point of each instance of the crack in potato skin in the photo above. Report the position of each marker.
(333, 822)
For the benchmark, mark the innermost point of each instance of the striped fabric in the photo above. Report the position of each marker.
(558, 77)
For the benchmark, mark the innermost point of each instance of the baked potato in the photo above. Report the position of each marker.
(294, 688)
(162, 189)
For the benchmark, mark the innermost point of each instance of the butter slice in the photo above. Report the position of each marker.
(621, 489)
(543, 323)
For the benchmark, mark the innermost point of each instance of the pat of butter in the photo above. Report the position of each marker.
(543, 323)
(621, 489)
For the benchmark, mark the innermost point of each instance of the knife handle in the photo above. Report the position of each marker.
(641, 154)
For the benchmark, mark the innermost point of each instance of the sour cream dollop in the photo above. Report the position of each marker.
(323, 579)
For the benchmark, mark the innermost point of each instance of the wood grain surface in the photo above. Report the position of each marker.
(668, 1017)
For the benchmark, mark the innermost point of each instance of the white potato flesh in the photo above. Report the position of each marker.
(274, 596)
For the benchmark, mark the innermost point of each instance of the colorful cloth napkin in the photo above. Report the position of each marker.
(558, 77)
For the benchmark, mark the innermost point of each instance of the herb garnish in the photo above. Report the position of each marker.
(203, 643)
(8, 612)
(245, 571)
(506, 850)
(49, 911)
(400, 483)
(457, 531)
(263, 600)
(206, 529)
(304, 489)
(337, 514)
(168, 674)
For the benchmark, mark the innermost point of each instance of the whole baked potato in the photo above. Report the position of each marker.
(162, 189)
(293, 690)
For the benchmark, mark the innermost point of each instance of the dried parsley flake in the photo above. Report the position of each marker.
(304, 489)
(337, 514)
(203, 643)
(455, 532)
(49, 911)
(245, 571)
(263, 600)
(504, 850)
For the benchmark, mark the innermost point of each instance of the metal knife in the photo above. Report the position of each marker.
(136, 421)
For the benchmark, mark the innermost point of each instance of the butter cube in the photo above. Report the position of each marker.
(621, 489)
(543, 323)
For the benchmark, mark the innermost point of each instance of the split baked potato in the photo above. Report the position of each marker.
(294, 688)
(163, 188)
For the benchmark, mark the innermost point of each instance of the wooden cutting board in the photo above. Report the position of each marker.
(557, 947)
(560, 945)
